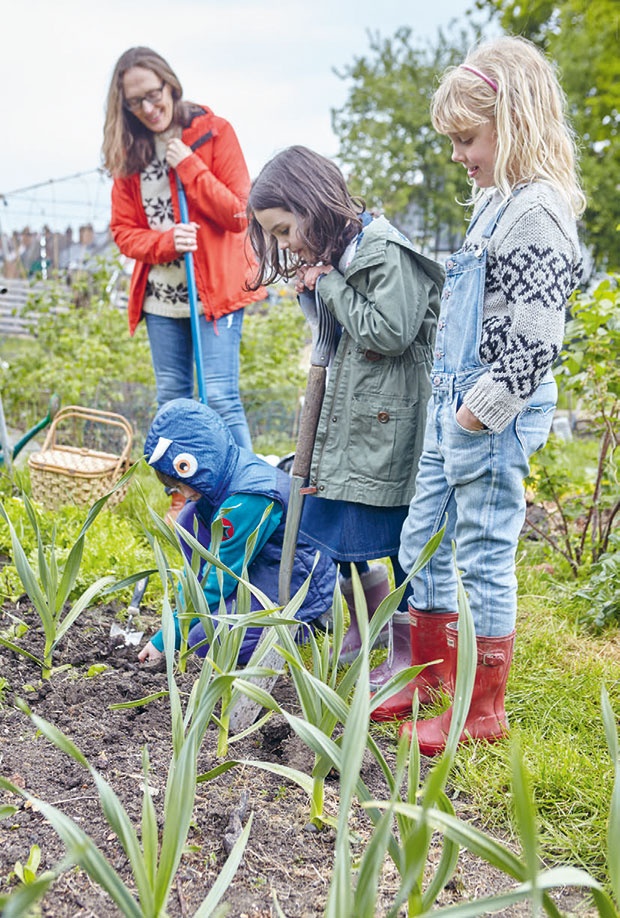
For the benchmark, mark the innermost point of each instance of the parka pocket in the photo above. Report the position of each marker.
(384, 437)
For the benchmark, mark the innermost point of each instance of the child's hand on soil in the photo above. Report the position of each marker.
(149, 654)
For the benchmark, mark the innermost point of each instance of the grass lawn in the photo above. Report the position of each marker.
(553, 702)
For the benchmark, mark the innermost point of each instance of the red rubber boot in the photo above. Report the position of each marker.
(487, 715)
(376, 586)
(428, 642)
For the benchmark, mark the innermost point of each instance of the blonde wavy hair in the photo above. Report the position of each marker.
(534, 138)
(128, 146)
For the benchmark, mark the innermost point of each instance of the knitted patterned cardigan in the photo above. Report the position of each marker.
(533, 265)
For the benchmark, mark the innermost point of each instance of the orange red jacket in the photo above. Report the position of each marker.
(216, 183)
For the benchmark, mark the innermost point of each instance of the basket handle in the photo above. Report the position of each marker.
(98, 417)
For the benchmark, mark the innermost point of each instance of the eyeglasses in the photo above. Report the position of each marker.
(152, 97)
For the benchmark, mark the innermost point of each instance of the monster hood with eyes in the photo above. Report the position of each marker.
(189, 442)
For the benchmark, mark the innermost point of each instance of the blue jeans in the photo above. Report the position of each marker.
(173, 362)
(476, 478)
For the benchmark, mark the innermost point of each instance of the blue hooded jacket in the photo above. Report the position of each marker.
(189, 442)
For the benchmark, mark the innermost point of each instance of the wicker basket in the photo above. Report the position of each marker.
(67, 474)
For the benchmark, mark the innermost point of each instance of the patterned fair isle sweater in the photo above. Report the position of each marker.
(533, 265)
(166, 289)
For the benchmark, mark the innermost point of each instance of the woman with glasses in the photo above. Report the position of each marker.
(150, 134)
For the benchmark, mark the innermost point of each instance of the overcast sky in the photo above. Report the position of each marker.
(265, 65)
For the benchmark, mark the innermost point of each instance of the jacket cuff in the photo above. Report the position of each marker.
(158, 641)
(168, 249)
(330, 286)
(190, 167)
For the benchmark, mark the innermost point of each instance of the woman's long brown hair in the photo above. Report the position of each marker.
(128, 146)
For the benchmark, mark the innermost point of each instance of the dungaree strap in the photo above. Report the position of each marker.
(490, 227)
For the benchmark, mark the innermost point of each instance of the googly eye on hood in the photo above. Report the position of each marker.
(185, 464)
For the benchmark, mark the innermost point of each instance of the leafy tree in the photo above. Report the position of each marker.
(395, 160)
(582, 37)
(388, 147)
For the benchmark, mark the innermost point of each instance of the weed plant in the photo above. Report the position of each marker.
(49, 582)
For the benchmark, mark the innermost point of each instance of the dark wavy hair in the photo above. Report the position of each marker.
(128, 146)
(313, 188)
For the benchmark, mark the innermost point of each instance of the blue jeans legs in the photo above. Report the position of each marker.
(476, 478)
(173, 362)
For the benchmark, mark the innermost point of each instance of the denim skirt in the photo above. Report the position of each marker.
(349, 531)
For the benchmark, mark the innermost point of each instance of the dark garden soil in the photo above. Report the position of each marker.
(283, 857)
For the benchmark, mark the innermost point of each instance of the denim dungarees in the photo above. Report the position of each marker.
(475, 477)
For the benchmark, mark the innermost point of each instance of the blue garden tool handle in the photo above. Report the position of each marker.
(193, 299)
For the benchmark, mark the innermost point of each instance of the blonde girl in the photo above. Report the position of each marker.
(493, 393)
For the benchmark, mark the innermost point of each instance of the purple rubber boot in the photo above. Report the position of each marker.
(399, 651)
(376, 586)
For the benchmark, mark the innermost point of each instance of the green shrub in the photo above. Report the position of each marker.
(272, 377)
(274, 334)
(81, 350)
(582, 513)
(602, 591)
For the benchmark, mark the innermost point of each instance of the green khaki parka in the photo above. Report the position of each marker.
(371, 428)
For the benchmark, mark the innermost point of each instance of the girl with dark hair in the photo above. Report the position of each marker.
(304, 224)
